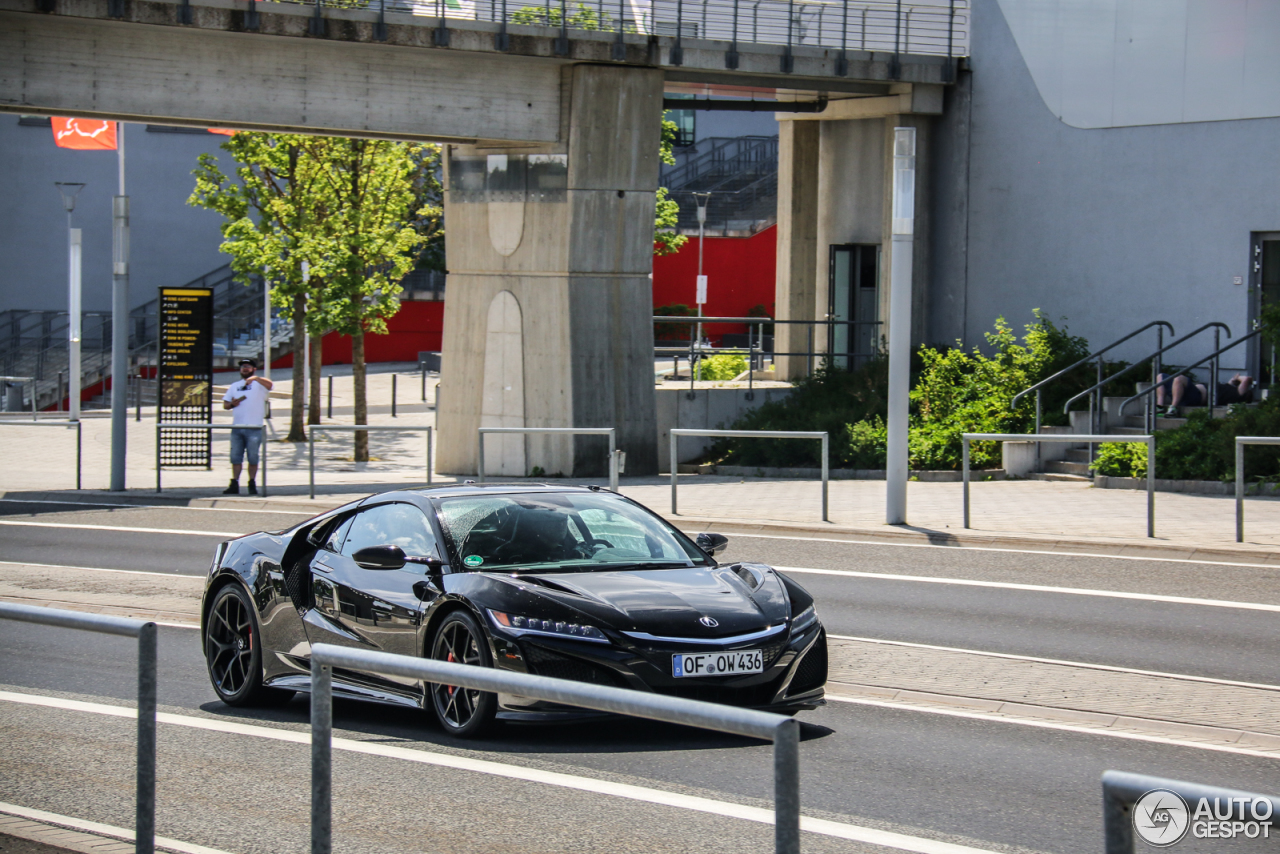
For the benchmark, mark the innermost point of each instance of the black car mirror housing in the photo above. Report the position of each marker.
(380, 557)
(712, 544)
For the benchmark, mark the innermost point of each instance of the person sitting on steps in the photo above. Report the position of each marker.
(1183, 390)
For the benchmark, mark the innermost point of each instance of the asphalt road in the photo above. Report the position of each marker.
(988, 784)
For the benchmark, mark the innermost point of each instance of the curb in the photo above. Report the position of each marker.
(900, 534)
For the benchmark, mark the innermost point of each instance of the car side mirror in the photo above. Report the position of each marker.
(380, 557)
(712, 544)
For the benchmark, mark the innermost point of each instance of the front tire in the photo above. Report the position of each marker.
(463, 712)
(233, 651)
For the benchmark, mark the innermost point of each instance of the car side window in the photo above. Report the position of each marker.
(334, 541)
(397, 524)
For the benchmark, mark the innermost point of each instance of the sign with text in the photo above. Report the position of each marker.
(186, 374)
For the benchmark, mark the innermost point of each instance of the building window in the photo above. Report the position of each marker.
(686, 123)
(35, 121)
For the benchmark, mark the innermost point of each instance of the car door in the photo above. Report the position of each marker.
(372, 608)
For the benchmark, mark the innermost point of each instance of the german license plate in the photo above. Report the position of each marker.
(717, 663)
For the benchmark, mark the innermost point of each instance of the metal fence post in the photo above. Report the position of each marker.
(380, 28)
(842, 62)
(428, 456)
(145, 811)
(157, 454)
(263, 445)
(1239, 491)
(321, 758)
(393, 395)
(964, 468)
(80, 455)
(1151, 486)
(330, 415)
(676, 56)
(788, 61)
(613, 462)
(311, 466)
(786, 787)
(731, 57)
(424, 384)
(674, 467)
(619, 46)
(480, 458)
(825, 476)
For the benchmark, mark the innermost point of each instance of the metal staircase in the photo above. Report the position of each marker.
(739, 176)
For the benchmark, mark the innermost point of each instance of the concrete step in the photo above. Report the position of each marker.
(1078, 455)
(1080, 469)
(1055, 476)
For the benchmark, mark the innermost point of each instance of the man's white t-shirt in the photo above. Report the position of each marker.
(253, 409)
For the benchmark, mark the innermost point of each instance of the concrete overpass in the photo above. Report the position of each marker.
(552, 165)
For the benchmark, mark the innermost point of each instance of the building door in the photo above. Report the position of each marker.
(854, 298)
(1264, 270)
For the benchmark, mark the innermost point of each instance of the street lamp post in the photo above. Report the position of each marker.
(701, 296)
(119, 323)
(900, 275)
(69, 192)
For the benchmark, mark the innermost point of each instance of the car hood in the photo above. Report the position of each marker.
(670, 602)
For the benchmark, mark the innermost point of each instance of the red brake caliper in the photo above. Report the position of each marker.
(452, 688)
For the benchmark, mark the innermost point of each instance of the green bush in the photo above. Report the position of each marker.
(720, 368)
(1204, 448)
(1122, 459)
(673, 331)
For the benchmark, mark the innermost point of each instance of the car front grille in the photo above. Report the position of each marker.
(812, 672)
(547, 663)
(756, 695)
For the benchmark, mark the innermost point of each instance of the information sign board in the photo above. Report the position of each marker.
(186, 375)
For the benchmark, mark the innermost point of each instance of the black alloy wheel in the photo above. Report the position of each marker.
(462, 712)
(233, 651)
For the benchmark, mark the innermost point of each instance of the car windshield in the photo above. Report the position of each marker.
(560, 531)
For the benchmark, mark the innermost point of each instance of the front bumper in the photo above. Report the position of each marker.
(795, 672)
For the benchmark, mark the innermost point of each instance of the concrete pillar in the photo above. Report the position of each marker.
(567, 231)
(797, 290)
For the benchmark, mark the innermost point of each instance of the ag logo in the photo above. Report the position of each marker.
(1161, 817)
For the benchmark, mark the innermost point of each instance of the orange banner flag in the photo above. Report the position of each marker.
(84, 134)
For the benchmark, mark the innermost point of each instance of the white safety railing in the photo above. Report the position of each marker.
(182, 425)
(75, 424)
(1169, 810)
(1241, 441)
(357, 428)
(145, 632)
(749, 434)
(612, 460)
(1150, 442)
(783, 731)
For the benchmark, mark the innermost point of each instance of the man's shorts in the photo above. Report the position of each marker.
(245, 439)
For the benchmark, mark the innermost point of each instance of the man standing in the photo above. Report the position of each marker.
(247, 401)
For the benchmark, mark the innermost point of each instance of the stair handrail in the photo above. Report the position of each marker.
(1212, 385)
(1118, 374)
(1013, 404)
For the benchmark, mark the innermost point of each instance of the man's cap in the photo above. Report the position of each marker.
(250, 362)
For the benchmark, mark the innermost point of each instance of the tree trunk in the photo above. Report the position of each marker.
(362, 406)
(313, 413)
(297, 432)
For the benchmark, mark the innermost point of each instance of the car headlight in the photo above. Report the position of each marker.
(520, 625)
(804, 620)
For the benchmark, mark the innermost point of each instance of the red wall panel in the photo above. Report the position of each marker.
(418, 325)
(740, 273)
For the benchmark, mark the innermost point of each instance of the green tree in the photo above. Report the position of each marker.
(550, 16)
(666, 240)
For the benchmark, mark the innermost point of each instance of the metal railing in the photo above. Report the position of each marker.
(570, 431)
(1097, 387)
(1178, 802)
(1241, 441)
(145, 632)
(783, 731)
(313, 429)
(180, 425)
(1150, 441)
(1211, 387)
(75, 424)
(920, 27)
(676, 433)
(1155, 366)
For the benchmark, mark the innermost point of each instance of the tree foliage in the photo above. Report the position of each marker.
(666, 239)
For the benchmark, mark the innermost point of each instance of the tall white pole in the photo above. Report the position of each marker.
(306, 345)
(701, 296)
(73, 322)
(119, 323)
(903, 244)
(266, 326)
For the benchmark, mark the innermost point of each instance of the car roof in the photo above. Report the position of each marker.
(457, 490)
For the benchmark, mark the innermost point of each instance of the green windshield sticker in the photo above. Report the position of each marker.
(473, 560)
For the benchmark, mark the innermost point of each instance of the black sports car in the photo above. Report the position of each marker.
(576, 583)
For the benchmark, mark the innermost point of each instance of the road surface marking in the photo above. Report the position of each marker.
(1107, 667)
(997, 549)
(1035, 588)
(24, 524)
(1032, 722)
(840, 830)
(156, 506)
(200, 577)
(102, 829)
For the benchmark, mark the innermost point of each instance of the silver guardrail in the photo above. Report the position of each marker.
(145, 632)
(182, 425)
(313, 429)
(783, 731)
(1150, 441)
(750, 434)
(569, 431)
(1241, 441)
(75, 424)
(1162, 812)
